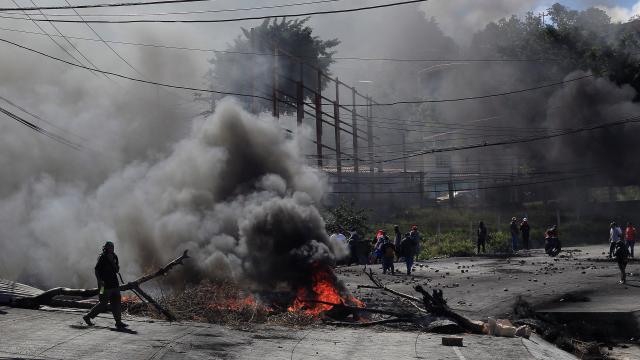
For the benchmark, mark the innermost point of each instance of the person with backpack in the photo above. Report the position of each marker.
(615, 235)
(482, 236)
(408, 251)
(525, 230)
(388, 255)
(106, 270)
(621, 253)
(630, 237)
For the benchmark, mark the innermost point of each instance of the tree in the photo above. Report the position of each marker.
(585, 40)
(247, 66)
(346, 216)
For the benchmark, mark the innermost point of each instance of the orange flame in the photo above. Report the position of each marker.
(322, 293)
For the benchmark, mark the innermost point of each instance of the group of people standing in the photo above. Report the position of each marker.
(523, 229)
(382, 250)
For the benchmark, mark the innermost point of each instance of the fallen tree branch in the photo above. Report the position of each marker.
(359, 309)
(379, 285)
(437, 305)
(46, 298)
(160, 309)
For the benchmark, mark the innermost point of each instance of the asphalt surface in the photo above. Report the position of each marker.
(489, 286)
(55, 334)
(478, 287)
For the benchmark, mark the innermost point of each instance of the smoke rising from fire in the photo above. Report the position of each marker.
(234, 192)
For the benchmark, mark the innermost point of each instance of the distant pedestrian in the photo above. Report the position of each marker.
(482, 236)
(615, 234)
(630, 237)
(106, 270)
(353, 241)
(621, 253)
(388, 255)
(525, 230)
(397, 239)
(416, 238)
(408, 251)
(514, 234)
(381, 235)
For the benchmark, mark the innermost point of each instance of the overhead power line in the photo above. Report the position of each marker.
(132, 78)
(513, 92)
(263, 17)
(215, 11)
(88, 6)
(41, 130)
(634, 119)
(106, 44)
(195, 49)
(470, 189)
(182, 87)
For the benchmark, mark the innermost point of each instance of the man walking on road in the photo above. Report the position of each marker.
(106, 271)
(621, 253)
(514, 234)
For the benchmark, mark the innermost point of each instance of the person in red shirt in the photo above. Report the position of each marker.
(630, 237)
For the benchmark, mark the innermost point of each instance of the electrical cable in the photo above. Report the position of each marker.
(87, 6)
(246, 18)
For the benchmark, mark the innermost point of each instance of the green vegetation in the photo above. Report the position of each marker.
(452, 232)
(347, 217)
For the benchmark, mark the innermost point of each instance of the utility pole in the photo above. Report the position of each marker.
(370, 134)
(254, 107)
(354, 127)
(276, 113)
(336, 118)
(300, 95)
(318, 104)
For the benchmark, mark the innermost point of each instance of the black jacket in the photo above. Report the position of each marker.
(107, 270)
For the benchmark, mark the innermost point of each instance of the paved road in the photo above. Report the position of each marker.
(55, 334)
(489, 286)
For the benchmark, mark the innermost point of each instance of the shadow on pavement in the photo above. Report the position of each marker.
(86, 327)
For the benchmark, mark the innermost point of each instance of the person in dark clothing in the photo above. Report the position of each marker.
(388, 254)
(106, 271)
(408, 249)
(482, 236)
(353, 241)
(397, 239)
(525, 229)
(621, 253)
(514, 234)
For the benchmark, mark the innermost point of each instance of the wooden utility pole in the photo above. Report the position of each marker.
(254, 107)
(318, 104)
(300, 96)
(370, 135)
(421, 189)
(336, 118)
(354, 127)
(276, 113)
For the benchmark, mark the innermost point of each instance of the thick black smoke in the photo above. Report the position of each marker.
(234, 192)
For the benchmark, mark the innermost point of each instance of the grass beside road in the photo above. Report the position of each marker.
(452, 232)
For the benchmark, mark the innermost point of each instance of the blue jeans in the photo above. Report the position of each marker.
(409, 261)
(514, 242)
